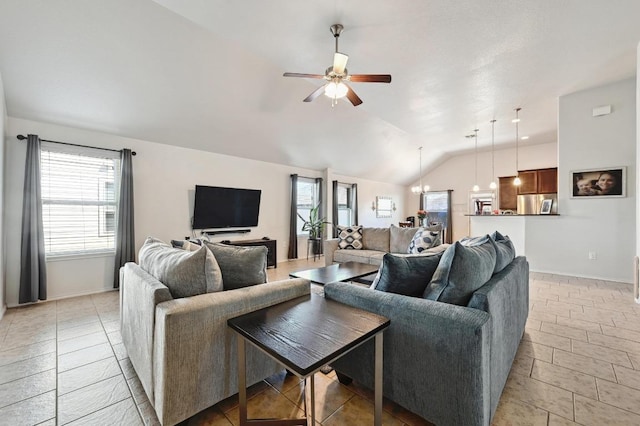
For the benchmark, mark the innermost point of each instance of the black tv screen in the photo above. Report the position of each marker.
(217, 207)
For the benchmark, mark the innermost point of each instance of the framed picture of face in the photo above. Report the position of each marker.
(592, 183)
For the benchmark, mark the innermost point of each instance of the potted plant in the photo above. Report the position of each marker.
(314, 225)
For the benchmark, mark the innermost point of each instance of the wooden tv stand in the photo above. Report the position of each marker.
(269, 244)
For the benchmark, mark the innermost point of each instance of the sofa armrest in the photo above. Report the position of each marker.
(139, 294)
(195, 356)
(436, 356)
(328, 248)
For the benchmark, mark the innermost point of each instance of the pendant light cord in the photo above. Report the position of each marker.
(476, 132)
(493, 169)
(517, 123)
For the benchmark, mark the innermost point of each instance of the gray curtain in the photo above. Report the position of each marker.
(293, 221)
(321, 212)
(125, 238)
(448, 237)
(33, 270)
(334, 210)
(354, 192)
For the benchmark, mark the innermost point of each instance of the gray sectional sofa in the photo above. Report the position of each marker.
(180, 347)
(376, 243)
(444, 362)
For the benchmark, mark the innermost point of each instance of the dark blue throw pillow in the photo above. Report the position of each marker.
(505, 251)
(405, 274)
(462, 270)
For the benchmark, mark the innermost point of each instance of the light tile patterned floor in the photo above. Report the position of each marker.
(63, 362)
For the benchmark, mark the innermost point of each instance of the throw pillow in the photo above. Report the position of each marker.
(424, 239)
(505, 251)
(375, 239)
(350, 237)
(407, 275)
(400, 238)
(185, 273)
(187, 245)
(474, 241)
(461, 271)
(240, 266)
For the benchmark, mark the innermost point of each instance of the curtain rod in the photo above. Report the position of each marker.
(22, 137)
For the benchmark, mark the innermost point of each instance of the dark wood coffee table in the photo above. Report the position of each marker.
(305, 334)
(337, 272)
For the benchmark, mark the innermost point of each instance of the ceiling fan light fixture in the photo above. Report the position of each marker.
(340, 63)
(336, 90)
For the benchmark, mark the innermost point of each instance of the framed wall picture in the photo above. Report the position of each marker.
(545, 206)
(604, 182)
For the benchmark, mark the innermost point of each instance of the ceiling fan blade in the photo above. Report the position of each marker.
(315, 94)
(370, 78)
(296, 74)
(339, 62)
(353, 98)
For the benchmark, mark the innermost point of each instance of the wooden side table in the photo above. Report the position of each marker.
(304, 334)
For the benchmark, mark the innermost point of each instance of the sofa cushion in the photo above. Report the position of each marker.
(425, 238)
(400, 238)
(505, 251)
(461, 271)
(350, 237)
(185, 273)
(361, 256)
(375, 239)
(407, 275)
(240, 266)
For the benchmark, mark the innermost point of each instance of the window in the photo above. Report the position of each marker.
(345, 204)
(307, 199)
(79, 199)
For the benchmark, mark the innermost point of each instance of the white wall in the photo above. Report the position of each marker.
(604, 225)
(164, 181)
(458, 173)
(3, 126)
(367, 192)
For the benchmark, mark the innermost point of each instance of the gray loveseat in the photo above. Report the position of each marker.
(376, 242)
(182, 350)
(444, 362)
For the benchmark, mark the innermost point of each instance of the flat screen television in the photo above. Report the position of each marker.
(218, 207)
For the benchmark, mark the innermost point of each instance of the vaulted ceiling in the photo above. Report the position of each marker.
(208, 74)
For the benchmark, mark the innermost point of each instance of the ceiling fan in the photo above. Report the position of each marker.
(337, 76)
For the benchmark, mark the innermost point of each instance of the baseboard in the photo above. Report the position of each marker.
(565, 274)
(88, 293)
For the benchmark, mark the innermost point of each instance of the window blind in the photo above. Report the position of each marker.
(307, 196)
(79, 199)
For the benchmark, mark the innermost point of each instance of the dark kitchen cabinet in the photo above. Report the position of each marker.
(529, 182)
(507, 198)
(548, 181)
(540, 181)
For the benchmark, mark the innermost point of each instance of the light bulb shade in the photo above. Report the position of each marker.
(415, 189)
(517, 181)
(476, 188)
(426, 188)
(336, 90)
(493, 185)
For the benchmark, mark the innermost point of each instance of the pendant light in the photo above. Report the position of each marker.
(476, 188)
(516, 120)
(493, 185)
(420, 189)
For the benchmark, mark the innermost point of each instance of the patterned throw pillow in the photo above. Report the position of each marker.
(424, 239)
(350, 237)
